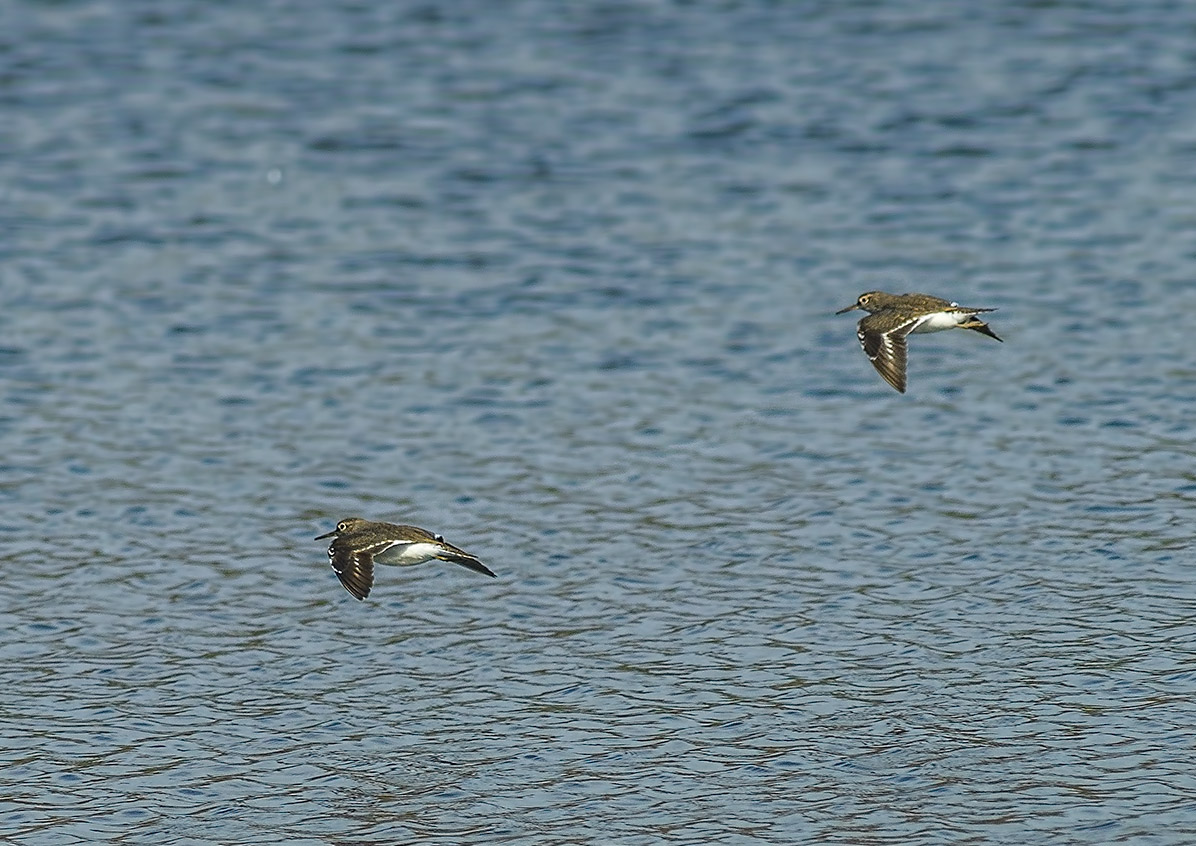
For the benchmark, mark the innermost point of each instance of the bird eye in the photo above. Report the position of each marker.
(341, 526)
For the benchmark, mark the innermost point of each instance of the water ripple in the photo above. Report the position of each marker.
(560, 284)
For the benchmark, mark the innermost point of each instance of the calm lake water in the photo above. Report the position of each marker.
(558, 280)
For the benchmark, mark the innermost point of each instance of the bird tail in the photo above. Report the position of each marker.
(981, 327)
(466, 560)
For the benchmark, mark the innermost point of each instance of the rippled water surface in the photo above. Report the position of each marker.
(558, 280)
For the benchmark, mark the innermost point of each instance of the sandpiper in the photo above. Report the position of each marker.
(359, 543)
(891, 317)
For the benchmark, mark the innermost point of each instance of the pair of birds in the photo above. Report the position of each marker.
(360, 544)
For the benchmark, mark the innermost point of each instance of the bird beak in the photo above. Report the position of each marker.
(851, 307)
(330, 534)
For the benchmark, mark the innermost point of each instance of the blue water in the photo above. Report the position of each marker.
(558, 281)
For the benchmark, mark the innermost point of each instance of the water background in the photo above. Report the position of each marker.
(557, 280)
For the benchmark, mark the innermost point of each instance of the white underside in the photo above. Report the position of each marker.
(408, 554)
(939, 321)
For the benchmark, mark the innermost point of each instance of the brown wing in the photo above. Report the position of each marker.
(354, 569)
(886, 349)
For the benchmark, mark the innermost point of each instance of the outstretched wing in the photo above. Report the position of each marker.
(354, 568)
(886, 349)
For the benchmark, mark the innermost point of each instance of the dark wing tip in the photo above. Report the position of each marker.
(896, 380)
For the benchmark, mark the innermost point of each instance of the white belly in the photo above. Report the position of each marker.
(408, 554)
(940, 320)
